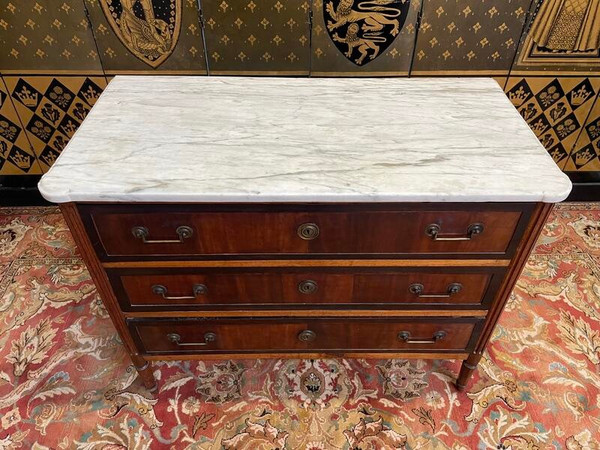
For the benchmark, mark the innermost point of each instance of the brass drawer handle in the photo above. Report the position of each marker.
(308, 287)
(197, 289)
(433, 231)
(176, 339)
(418, 289)
(437, 336)
(308, 231)
(184, 232)
(307, 336)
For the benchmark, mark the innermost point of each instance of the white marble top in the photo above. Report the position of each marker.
(220, 139)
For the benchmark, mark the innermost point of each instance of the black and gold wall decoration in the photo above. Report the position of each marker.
(52, 108)
(466, 37)
(556, 109)
(57, 56)
(16, 156)
(368, 27)
(149, 30)
(585, 156)
(46, 36)
(257, 37)
(138, 36)
(363, 37)
(562, 36)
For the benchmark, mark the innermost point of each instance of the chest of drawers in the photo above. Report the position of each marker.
(278, 260)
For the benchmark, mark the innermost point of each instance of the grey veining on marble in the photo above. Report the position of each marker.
(220, 139)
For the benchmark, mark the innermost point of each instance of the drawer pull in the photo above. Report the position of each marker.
(433, 231)
(175, 339)
(418, 288)
(308, 231)
(307, 287)
(184, 232)
(307, 336)
(437, 336)
(197, 289)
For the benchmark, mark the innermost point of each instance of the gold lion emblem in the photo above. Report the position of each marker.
(371, 26)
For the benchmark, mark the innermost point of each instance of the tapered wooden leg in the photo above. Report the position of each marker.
(468, 367)
(144, 370)
(71, 215)
(533, 230)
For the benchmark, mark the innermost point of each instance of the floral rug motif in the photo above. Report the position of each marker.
(66, 382)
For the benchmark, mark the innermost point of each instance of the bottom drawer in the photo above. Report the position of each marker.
(264, 335)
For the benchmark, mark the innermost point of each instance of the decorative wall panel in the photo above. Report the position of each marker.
(57, 56)
(469, 36)
(555, 108)
(52, 108)
(16, 156)
(585, 156)
(563, 36)
(363, 38)
(148, 35)
(46, 36)
(501, 81)
(262, 37)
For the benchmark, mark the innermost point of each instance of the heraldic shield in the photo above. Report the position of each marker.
(363, 29)
(148, 28)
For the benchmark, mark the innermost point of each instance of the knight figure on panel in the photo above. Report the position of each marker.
(363, 29)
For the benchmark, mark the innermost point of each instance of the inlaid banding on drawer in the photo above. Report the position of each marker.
(293, 288)
(200, 232)
(303, 335)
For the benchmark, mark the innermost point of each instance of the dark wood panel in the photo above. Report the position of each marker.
(73, 219)
(320, 312)
(339, 232)
(301, 335)
(340, 330)
(267, 231)
(530, 236)
(310, 355)
(306, 262)
(163, 289)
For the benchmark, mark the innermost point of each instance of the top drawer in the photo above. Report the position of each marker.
(272, 231)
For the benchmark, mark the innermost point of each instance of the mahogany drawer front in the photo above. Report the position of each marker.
(196, 336)
(195, 289)
(132, 231)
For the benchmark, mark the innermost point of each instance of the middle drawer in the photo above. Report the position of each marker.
(296, 288)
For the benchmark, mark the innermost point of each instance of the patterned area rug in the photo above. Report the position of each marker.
(65, 381)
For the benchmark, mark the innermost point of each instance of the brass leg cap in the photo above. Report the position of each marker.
(460, 387)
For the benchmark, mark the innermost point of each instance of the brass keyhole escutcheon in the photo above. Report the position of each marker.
(307, 287)
(307, 336)
(308, 231)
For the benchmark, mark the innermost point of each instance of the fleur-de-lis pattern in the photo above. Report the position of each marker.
(469, 36)
(262, 36)
(46, 36)
(556, 109)
(51, 109)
